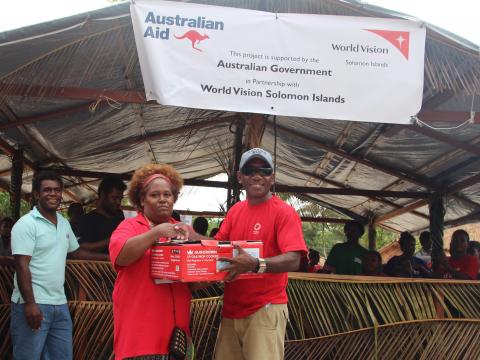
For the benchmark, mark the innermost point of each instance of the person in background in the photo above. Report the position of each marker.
(75, 212)
(41, 326)
(403, 268)
(255, 311)
(6, 225)
(313, 261)
(96, 227)
(474, 249)
(460, 265)
(176, 215)
(398, 265)
(200, 225)
(372, 264)
(214, 232)
(145, 314)
(425, 253)
(346, 258)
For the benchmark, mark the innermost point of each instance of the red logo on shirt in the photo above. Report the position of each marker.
(256, 228)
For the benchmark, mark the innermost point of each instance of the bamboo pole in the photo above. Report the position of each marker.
(16, 183)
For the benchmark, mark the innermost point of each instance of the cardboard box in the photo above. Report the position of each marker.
(197, 261)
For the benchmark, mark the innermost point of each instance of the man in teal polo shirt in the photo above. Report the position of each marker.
(41, 326)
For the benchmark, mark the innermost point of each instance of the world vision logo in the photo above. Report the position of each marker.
(194, 36)
(399, 39)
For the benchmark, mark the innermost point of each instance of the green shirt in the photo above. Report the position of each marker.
(346, 259)
(48, 245)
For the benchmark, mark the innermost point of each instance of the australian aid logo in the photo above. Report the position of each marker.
(192, 31)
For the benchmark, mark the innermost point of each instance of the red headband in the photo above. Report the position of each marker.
(152, 177)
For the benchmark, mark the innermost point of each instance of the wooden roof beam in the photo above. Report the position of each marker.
(161, 134)
(279, 187)
(327, 159)
(401, 211)
(339, 185)
(450, 190)
(138, 97)
(65, 92)
(41, 117)
(10, 149)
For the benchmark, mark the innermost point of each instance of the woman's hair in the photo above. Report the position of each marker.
(136, 189)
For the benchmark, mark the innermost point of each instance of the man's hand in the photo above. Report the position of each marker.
(239, 264)
(33, 315)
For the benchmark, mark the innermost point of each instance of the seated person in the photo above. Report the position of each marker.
(214, 232)
(372, 264)
(346, 258)
(96, 227)
(474, 249)
(425, 253)
(313, 260)
(403, 268)
(200, 225)
(176, 215)
(6, 226)
(397, 266)
(460, 265)
(75, 212)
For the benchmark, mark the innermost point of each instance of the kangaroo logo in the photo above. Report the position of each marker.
(194, 36)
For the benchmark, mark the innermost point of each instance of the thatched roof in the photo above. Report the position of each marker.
(71, 96)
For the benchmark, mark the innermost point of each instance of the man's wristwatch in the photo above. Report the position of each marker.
(262, 266)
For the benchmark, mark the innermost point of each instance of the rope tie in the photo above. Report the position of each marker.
(470, 120)
(110, 102)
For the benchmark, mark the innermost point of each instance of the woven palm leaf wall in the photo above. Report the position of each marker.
(331, 317)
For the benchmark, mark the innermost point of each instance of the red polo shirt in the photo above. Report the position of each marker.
(143, 312)
(278, 226)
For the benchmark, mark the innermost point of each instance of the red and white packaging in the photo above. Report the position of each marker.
(197, 261)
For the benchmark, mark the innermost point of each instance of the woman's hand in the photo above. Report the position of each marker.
(178, 231)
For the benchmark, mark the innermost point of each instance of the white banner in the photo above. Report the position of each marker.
(320, 66)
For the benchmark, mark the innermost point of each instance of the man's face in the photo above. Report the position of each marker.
(111, 201)
(255, 179)
(459, 244)
(426, 243)
(408, 247)
(50, 195)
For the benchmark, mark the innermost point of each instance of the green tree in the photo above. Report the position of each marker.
(5, 205)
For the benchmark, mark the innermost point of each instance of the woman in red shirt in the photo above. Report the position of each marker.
(145, 314)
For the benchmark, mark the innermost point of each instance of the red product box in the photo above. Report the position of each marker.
(197, 261)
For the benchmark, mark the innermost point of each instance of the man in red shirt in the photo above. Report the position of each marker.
(255, 311)
(460, 265)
